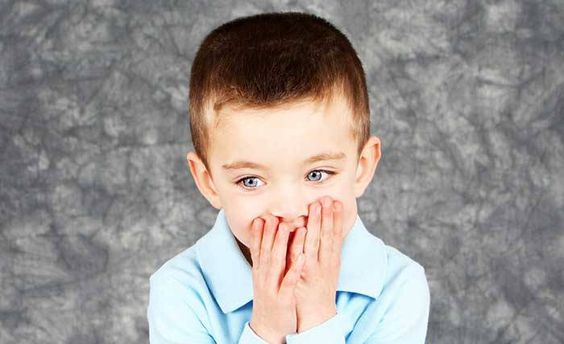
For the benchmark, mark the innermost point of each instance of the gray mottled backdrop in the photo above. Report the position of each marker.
(95, 194)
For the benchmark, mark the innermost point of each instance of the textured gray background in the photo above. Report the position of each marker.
(95, 194)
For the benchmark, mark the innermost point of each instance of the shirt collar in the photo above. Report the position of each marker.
(229, 275)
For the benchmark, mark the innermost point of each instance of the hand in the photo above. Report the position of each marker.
(274, 305)
(316, 290)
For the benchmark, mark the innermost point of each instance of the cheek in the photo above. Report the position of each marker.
(239, 218)
(346, 196)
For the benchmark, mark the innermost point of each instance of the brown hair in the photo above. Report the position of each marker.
(268, 59)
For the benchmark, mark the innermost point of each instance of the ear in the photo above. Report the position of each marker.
(367, 162)
(203, 179)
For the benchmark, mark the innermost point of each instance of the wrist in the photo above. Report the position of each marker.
(308, 320)
(267, 335)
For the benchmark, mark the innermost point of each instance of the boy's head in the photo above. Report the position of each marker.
(279, 117)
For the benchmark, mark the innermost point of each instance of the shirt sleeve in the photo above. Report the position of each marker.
(406, 319)
(172, 318)
(250, 337)
(328, 332)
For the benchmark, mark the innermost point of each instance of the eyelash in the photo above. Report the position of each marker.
(239, 182)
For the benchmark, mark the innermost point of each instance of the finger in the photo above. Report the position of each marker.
(292, 277)
(256, 237)
(297, 246)
(299, 222)
(278, 258)
(311, 245)
(326, 236)
(267, 241)
(338, 229)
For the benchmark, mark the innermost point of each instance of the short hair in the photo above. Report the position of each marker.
(269, 59)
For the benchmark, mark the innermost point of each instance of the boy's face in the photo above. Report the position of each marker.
(279, 142)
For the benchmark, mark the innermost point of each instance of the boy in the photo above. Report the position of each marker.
(277, 99)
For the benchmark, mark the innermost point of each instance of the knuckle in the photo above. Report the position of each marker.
(337, 206)
(272, 221)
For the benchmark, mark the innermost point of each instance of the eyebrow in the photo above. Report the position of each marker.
(318, 157)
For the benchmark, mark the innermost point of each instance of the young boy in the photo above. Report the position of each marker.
(278, 99)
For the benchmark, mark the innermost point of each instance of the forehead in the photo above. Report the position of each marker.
(283, 135)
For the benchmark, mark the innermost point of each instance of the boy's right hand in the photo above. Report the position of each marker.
(274, 304)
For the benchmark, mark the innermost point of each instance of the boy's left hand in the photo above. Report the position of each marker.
(316, 290)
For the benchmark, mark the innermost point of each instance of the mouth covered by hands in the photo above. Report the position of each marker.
(296, 273)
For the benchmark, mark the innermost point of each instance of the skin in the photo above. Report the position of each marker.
(287, 189)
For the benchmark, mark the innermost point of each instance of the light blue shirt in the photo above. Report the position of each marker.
(204, 294)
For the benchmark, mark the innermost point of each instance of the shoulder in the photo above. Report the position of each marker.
(179, 281)
(181, 278)
(401, 310)
(405, 298)
(183, 268)
(404, 278)
(396, 267)
(401, 268)
(178, 299)
(399, 276)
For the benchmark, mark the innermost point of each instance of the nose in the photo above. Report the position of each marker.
(289, 204)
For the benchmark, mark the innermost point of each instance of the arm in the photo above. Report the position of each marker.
(249, 336)
(405, 321)
(328, 332)
(172, 319)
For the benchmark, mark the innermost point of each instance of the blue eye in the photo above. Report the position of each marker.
(253, 185)
(319, 173)
(248, 186)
